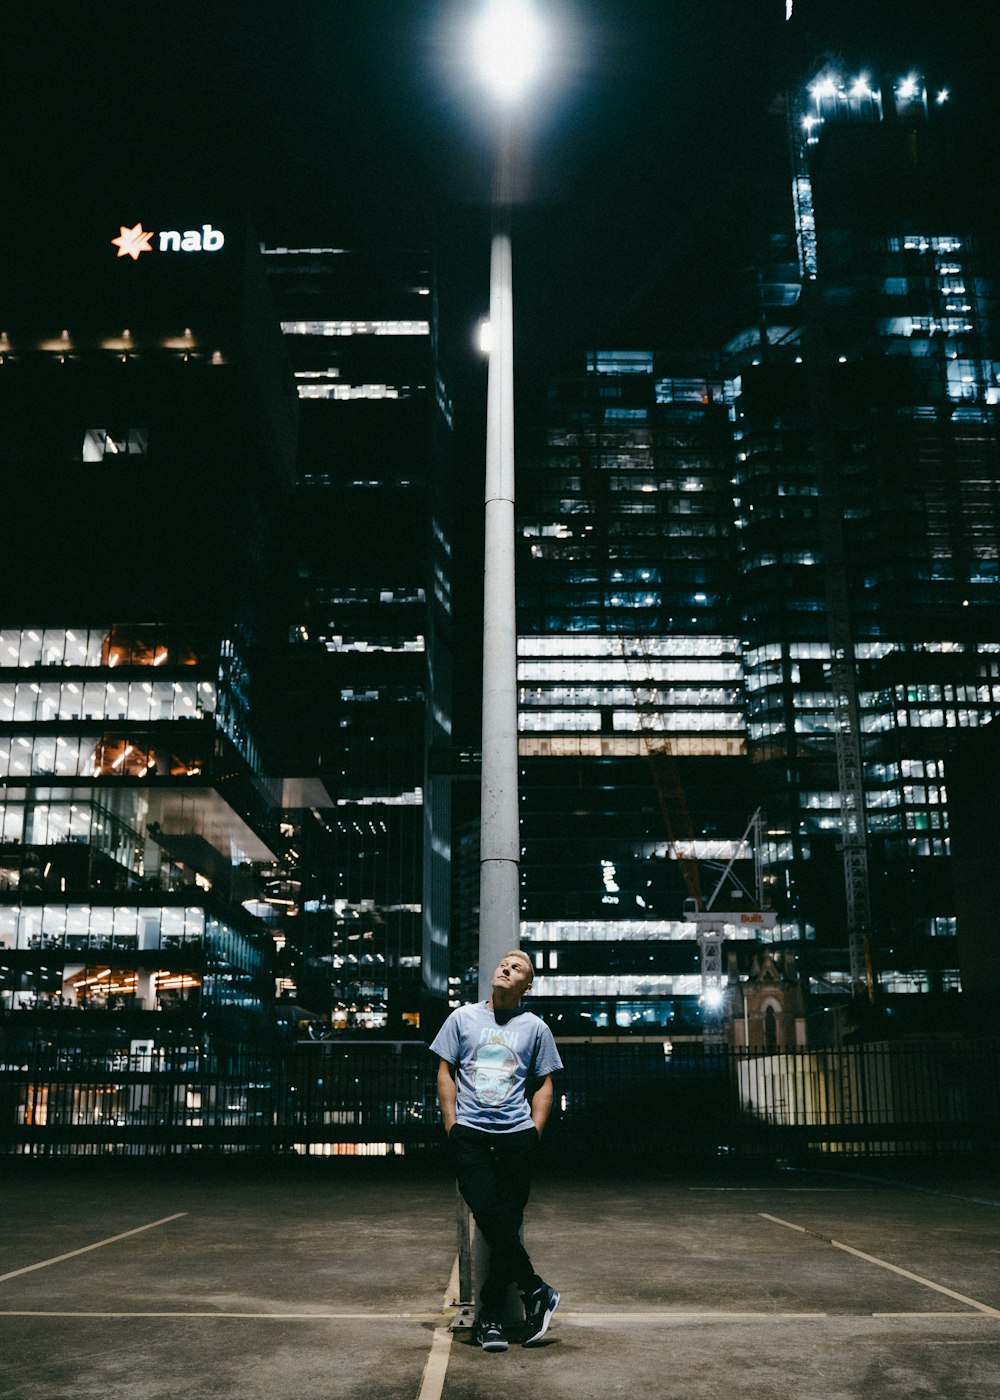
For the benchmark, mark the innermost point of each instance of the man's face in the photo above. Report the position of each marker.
(513, 972)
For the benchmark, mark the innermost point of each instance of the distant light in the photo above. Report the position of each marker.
(908, 86)
(842, 360)
(485, 336)
(860, 87)
(943, 96)
(508, 47)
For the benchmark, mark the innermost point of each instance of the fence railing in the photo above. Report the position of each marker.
(613, 1100)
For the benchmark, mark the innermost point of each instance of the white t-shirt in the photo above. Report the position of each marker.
(495, 1062)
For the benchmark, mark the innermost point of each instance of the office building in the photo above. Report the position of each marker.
(780, 571)
(367, 675)
(149, 446)
(635, 784)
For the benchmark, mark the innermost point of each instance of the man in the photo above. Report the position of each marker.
(495, 1089)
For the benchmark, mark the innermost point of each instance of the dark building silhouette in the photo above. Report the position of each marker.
(363, 698)
(149, 446)
(774, 576)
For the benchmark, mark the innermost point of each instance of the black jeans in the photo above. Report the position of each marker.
(494, 1176)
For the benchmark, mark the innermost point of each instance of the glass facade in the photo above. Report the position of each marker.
(633, 737)
(368, 647)
(135, 816)
(917, 444)
(675, 649)
(709, 549)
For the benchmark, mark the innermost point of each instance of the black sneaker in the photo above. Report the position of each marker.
(538, 1309)
(490, 1335)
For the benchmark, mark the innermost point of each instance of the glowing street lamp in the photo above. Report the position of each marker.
(508, 48)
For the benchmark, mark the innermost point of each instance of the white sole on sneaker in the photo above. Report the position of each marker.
(546, 1319)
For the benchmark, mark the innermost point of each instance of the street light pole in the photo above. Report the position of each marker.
(500, 839)
(508, 45)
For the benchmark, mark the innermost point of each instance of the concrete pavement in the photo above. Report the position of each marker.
(335, 1278)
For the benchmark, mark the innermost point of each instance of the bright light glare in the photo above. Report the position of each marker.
(826, 87)
(485, 336)
(908, 86)
(943, 96)
(713, 998)
(508, 47)
(860, 87)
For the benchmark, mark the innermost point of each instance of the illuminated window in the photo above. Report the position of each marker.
(350, 391)
(101, 443)
(559, 721)
(672, 721)
(620, 362)
(330, 328)
(627, 746)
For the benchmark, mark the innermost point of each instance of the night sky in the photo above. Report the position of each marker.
(650, 161)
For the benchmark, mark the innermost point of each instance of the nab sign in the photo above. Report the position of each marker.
(133, 241)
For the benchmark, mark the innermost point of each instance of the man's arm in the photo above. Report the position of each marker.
(447, 1093)
(541, 1103)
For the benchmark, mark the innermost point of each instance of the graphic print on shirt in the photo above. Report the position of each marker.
(493, 1069)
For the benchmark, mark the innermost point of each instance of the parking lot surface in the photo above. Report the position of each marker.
(337, 1278)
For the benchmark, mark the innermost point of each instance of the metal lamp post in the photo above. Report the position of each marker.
(508, 42)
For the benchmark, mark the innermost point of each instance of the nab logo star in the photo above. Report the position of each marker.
(133, 241)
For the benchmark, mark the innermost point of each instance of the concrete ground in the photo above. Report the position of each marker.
(335, 1278)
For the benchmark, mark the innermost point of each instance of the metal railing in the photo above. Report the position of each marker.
(614, 1100)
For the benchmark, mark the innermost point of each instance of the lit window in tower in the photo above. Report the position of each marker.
(330, 328)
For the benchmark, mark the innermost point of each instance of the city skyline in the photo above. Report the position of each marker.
(646, 166)
(634, 225)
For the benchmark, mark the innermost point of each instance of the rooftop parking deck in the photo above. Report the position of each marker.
(338, 1278)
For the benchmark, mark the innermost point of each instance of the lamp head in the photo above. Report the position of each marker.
(508, 48)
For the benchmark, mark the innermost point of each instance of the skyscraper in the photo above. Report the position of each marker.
(780, 567)
(866, 491)
(149, 448)
(634, 774)
(367, 673)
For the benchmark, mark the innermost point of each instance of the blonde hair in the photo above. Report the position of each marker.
(519, 953)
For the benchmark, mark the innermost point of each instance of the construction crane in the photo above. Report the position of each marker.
(635, 654)
(712, 921)
(847, 727)
(663, 764)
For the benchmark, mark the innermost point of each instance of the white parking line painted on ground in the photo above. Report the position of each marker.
(956, 1313)
(884, 1264)
(629, 1319)
(72, 1254)
(626, 1319)
(254, 1317)
(432, 1380)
